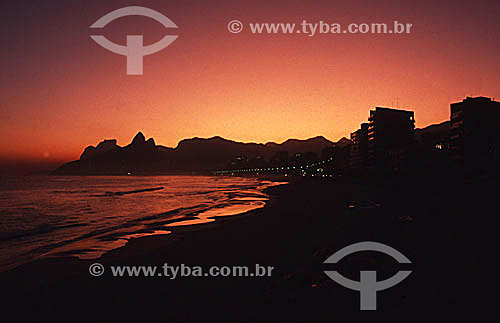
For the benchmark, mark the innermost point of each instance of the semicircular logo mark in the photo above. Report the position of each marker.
(368, 284)
(134, 50)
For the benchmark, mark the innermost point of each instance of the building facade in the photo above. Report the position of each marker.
(474, 138)
(359, 148)
(391, 139)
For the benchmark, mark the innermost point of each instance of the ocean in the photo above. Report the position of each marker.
(86, 216)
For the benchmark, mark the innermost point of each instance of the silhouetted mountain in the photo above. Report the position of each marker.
(433, 147)
(344, 142)
(103, 147)
(436, 134)
(293, 146)
(143, 156)
(438, 127)
(139, 139)
(215, 152)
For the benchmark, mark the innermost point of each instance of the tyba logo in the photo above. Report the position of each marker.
(135, 50)
(368, 285)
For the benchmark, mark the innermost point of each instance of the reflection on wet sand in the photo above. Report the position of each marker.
(95, 248)
(122, 241)
(210, 215)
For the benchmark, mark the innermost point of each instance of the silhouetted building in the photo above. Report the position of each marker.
(475, 129)
(359, 148)
(391, 135)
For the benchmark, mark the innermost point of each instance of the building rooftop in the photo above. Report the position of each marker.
(477, 99)
(391, 110)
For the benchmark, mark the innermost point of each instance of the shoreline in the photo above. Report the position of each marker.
(179, 223)
(302, 224)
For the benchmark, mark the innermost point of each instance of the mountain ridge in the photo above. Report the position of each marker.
(190, 154)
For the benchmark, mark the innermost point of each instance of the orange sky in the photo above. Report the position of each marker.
(62, 91)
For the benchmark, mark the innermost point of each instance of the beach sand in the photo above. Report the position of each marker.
(303, 224)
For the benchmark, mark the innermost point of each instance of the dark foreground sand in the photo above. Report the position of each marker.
(439, 228)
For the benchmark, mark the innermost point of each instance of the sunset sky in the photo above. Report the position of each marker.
(61, 91)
